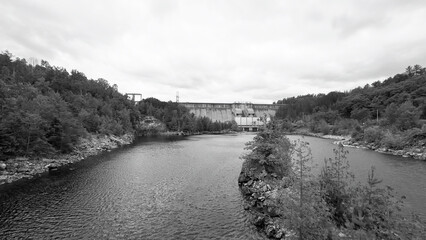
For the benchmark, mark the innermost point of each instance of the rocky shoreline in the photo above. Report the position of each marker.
(261, 201)
(415, 152)
(19, 168)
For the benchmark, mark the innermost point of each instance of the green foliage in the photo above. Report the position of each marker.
(328, 205)
(320, 126)
(395, 104)
(361, 114)
(310, 215)
(270, 150)
(335, 180)
(373, 135)
(346, 127)
(45, 109)
(367, 210)
(392, 140)
(408, 116)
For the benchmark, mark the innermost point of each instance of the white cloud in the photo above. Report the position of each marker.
(221, 51)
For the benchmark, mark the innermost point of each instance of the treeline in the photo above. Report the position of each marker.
(393, 107)
(178, 118)
(44, 109)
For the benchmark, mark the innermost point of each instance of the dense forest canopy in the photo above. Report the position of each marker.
(365, 103)
(45, 109)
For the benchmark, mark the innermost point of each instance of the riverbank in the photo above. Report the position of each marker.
(417, 151)
(19, 168)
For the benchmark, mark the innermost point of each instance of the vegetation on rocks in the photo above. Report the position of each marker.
(288, 201)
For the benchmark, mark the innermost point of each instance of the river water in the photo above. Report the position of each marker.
(168, 188)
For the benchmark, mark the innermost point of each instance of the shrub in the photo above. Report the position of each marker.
(394, 141)
(373, 135)
(319, 126)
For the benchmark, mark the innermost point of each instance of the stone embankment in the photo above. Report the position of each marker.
(18, 168)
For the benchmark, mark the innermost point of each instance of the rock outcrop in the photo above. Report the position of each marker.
(150, 126)
(260, 191)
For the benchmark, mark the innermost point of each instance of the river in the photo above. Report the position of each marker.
(168, 188)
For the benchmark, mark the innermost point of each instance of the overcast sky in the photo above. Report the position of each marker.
(221, 51)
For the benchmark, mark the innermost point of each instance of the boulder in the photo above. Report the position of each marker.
(280, 234)
(23, 169)
(273, 211)
(270, 230)
(243, 178)
(53, 168)
(259, 221)
(2, 166)
(246, 191)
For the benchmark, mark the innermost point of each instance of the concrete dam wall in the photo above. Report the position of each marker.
(220, 115)
(245, 113)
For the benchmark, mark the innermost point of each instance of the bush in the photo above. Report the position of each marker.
(320, 126)
(346, 126)
(373, 135)
(393, 141)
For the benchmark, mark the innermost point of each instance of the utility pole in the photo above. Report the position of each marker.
(377, 119)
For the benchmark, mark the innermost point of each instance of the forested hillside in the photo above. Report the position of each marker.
(387, 114)
(363, 103)
(45, 109)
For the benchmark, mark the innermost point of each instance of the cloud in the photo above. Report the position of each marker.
(224, 51)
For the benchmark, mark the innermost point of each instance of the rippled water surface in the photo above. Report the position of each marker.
(182, 188)
(157, 189)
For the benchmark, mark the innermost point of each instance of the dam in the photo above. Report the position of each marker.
(248, 116)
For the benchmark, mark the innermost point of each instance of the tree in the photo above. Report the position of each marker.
(417, 69)
(408, 116)
(270, 151)
(410, 71)
(360, 114)
(335, 180)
